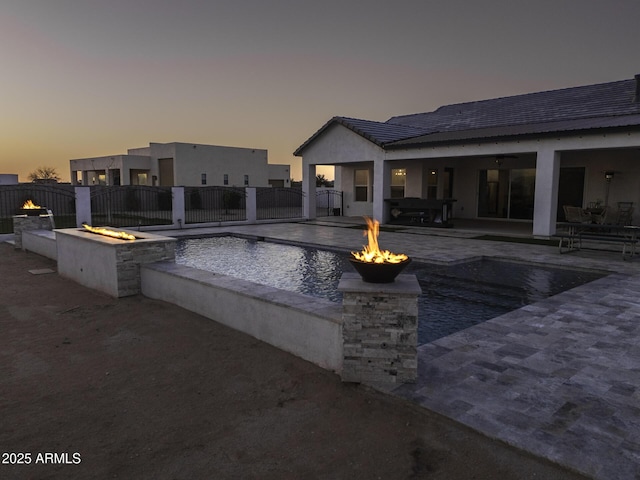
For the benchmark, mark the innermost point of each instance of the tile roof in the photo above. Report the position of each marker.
(605, 105)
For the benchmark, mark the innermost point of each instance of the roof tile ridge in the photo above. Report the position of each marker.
(386, 123)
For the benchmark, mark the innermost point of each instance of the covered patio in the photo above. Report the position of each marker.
(516, 159)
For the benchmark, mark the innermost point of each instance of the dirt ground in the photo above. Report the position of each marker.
(141, 389)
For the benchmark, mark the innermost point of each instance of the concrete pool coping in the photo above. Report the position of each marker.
(559, 378)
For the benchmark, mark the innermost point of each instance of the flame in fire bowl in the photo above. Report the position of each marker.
(30, 209)
(375, 265)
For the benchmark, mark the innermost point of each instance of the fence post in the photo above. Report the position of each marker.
(83, 205)
(178, 208)
(309, 190)
(252, 205)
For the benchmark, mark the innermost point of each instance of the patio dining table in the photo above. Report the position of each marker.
(571, 239)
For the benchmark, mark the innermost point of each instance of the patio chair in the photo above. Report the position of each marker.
(601, 218)
(576, 214)
(625, 213)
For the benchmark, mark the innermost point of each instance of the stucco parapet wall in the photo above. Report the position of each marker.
(42, 242)
(308, 327)
(311, 305)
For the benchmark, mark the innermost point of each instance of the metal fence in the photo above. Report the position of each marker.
(328, 202)
(214, 204)
(60, 199)
(131, 206)
(274, 203)
(139, 205)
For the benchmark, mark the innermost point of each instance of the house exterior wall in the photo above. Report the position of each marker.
(342, 147)
(191, 161)
(279, 175)
(352, 207)
(191, 164)
(625, 185)
(90, 167)
(8, 179)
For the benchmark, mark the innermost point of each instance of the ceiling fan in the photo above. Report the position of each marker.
(500, 157)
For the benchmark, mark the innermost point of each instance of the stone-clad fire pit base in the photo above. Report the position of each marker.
(379, 330)
(109, 265)
(25, 223)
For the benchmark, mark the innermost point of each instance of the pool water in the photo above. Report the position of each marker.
(453, 297)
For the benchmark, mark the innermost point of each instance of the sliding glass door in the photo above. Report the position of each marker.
(506, 193)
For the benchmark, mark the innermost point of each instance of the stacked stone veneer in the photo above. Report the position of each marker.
(379, 330)
(108, 264)
(23, 223)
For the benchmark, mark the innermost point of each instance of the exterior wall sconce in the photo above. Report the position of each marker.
(608, 175)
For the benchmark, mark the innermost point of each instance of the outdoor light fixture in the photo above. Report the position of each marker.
(608, 175)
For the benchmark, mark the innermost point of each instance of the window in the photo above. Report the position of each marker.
(246, 180)
(203, 179)
(432, 184)
(398, 181)
(138, 177)
(225, 180)
(361, 185)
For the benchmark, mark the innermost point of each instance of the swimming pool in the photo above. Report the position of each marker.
(453, 297)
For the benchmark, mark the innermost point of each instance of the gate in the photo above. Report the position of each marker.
(131, 206)
(328, 202)
(60, 199)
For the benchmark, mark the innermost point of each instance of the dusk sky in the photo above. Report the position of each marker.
(85, 78)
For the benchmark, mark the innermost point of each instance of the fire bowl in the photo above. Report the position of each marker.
(31, 212)
(379, 272)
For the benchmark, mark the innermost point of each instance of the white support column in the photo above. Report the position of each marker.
(381, 189)
(252, 204)
(83, 205)
(178, 209)
(309, 190)
(546, 193)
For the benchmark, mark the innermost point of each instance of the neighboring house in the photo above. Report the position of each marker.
(182, 164)
(518, 158)
(8, 179)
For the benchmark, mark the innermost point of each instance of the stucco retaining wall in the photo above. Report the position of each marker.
(42, 242)
(308, 327)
